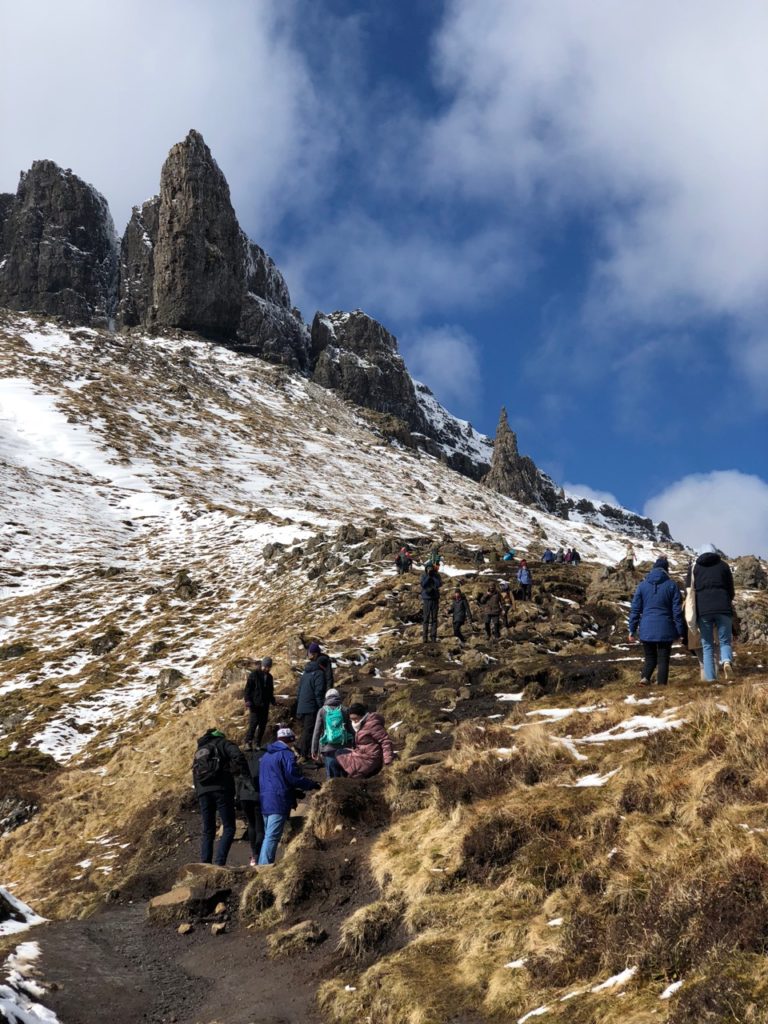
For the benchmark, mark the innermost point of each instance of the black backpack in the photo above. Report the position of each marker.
(207, 763)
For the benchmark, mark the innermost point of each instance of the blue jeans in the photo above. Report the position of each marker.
(210, 803)
(332, 767)
(707, 625)
(273, 829)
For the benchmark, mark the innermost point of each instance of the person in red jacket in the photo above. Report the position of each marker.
(373, 747)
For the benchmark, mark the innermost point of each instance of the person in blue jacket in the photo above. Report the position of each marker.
(279, 778)
(525, 579)
(656, 619)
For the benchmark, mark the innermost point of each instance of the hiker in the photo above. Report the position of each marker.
(525, 579)
(713, 584)
(373, 747)
(508, 556)
(575, 557)
(568, 556)
(430, 599)
(333, 730)
(559, 557)
(404, 561)
(507, 602)
(279, 778)
(258, 695)
(247, 790)
(460, 613)
(216, 762)
(311, 696)
(656, 619)
(491, 604)
(548, 556)
(435, 558)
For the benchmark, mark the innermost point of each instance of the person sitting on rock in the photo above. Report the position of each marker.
(430, 599)
(525, 579)
(247, 788)
(216, 762)
(333, 730)
(373, 746)
(279, 779)
(460, 613)
(259, 695)
(403, 562)
(548, 556)
(656, 619)
(491, 604)
(311, 696)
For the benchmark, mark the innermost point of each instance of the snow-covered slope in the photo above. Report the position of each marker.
(128, 461)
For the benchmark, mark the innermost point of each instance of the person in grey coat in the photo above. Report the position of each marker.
(333, 731)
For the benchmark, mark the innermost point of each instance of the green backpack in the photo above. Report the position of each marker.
(335, 732)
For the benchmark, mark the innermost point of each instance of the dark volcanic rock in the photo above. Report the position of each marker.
(137, 265)
(516, 475)
(268, 326)
(199, 265)
(262, 278)
(58, 251)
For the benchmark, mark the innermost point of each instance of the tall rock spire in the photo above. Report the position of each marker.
(516, 475)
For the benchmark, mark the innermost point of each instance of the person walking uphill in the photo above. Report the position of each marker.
(525, 579)
(713, 584)
(656, 619)
(373, 747)
(491, 604)
(333, 730)
(430, 599)
(316, 678)
(259, 695)
(460, 613)
(216, 762)
(247, 788)
(279, 777)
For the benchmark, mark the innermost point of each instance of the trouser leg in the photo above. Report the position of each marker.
(332, 767)
(651, 659)
(225, 805)
(725, 636)
(255, 826)
(273, 830)
(253, 721)
(457, 632)
(664, 650)
(307, 728)
(495, 626)
(207, 802)
(706, 631)
(262, 717)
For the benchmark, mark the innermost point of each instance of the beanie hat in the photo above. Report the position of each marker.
(285, 733)
(267, 662)
(358, 709)
(707, 549)
(314, 648)
(333, 692)
(661, 563)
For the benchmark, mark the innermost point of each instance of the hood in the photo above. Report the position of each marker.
(208, 735)
(708, 559)
(276, 747)
(657, 576)
(332, 702)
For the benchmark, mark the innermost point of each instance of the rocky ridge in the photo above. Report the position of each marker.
(185, 264)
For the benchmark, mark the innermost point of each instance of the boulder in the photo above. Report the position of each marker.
(58, 249)
(107, 641)
(749, 573)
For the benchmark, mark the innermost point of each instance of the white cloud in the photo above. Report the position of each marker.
(591, 494)
(644, 110)
(107, 88)
(446, 359)
(726, 508)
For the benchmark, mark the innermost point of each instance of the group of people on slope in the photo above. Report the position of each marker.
(496, 603)
(267, 783)
(568, 557)
(657, 619)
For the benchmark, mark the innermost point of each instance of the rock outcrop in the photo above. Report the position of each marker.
(58, 250)
(137, 265)
(268, 326)
(517, 475)
(199, 265)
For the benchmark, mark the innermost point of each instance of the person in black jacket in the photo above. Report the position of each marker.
(216, 763)
(259, 695)
(247, 788)
(460, 613)
(430, 599)
(316, 678)
(713, 583)
(491, 604)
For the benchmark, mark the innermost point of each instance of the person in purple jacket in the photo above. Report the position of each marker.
(656, 619)
(279, 778)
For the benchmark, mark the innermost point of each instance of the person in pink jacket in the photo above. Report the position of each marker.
(373, 747)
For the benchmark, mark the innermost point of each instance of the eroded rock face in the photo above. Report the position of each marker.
(199, 267)
(137, 265)
(58, 250)
(268, 327)
(516, 475)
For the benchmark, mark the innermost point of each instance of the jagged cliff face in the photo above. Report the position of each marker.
(516, 475)
(137, 265)
(58, 249)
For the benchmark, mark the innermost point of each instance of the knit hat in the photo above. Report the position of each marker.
(707, 549)
(314, 648)
(661, 563)
(286, 734)
(333, 692)
(266, 662)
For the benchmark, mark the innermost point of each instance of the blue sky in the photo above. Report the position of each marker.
(561, 208)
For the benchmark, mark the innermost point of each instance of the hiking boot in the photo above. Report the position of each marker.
(644, 682)
(252, 863)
